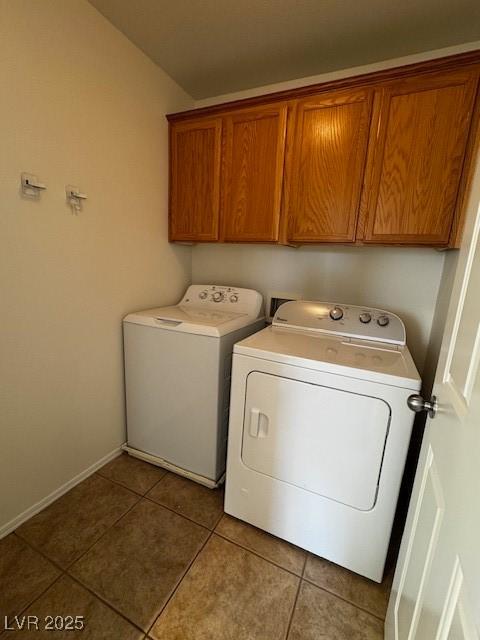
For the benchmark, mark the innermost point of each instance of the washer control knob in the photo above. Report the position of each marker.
(234, 297)
(336, 313)
(365, 317)
(382, 321)
(202, 295)
(217, 296)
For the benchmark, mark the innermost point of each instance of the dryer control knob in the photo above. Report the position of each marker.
(365, 317)
(202, 295)
(234, 297)
(383, 321)
(336, 313)
(217, 296)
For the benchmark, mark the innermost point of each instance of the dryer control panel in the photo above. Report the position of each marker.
(223, 298)
(364, 323)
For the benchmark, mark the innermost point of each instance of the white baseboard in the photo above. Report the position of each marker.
(7, 528)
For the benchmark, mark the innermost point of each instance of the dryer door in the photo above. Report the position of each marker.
(321, 439)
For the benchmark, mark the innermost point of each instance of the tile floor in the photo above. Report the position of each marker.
(141, 553)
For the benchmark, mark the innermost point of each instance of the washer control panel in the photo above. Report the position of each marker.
(364, 323)
(224, 298)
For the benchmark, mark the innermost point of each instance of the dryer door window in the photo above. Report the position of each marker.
(320, 439)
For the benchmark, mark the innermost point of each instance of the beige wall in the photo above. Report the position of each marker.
(404, 281)
(79, 104)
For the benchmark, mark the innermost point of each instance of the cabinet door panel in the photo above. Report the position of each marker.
(417, 157)
(253, 164)
(195, 151)
(327, 166)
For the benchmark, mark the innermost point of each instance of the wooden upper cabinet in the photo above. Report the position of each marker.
(326, 166)
(383, 158)
(195, 163)
(419, 135)
(253, 173)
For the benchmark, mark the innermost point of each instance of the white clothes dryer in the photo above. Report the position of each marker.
(177, 378)
(320, 428)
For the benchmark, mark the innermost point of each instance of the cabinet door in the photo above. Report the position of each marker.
(195, 157)
(327, 166)
(416, 153)
(254, 158)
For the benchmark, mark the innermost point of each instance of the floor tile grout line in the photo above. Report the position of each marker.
(292, 613)
(180, 580)
(218, 521)
(69, 565)
(37, 597)
(104, 601)
(159, 504)
(124, 486)
(145, 496)
(296, 575)
(307, 553)
(158, 481)
(139, 497)
(211, 533)
(89, 588)
(109, 528)
(67, 569)
(39, 551)
(336, 595)
(121, 484)
(256, 553)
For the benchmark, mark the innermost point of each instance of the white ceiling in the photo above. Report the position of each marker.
(211, 47)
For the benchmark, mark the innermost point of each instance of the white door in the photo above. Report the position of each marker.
(436, 590)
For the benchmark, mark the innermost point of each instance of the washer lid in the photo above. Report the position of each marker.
(209, 310)
(362, 359)
(194, 315)
(189, 319)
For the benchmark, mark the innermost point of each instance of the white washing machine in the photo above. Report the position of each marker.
(320, 428)
(177, 377)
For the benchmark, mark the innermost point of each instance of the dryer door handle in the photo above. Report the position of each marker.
(258, 423)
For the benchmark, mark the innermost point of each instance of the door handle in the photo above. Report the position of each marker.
(417, 403)
(254, 422)
(258, 423)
